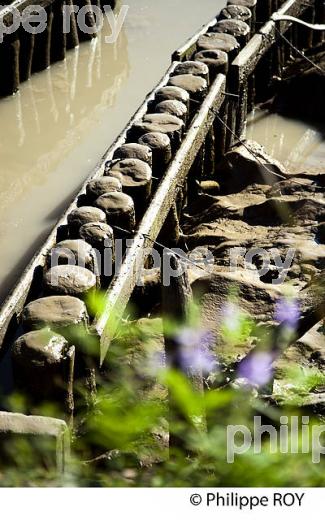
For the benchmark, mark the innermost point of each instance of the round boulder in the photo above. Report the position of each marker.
(216, 60)
(161, 150)
(69, 280)
(134, 151)
(219, 41)
(98, 187)
(81, 216)
(164, 123)
(136, 178)
(173, 107)
(119, 210)
(56, 312)
(73, 252)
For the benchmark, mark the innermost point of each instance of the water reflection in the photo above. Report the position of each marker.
(298, 145)
(42, 125)
(57, 127)
(52, 111)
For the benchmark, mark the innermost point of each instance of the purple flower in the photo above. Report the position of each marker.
(195, 350)
(287, 312)
(257, 368)
(232, 317)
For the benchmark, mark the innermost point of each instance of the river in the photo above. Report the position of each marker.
(56, 128)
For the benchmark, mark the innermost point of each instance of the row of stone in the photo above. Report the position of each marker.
(114, 204)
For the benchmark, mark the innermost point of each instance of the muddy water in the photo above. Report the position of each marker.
(298, 145)
(56, 128)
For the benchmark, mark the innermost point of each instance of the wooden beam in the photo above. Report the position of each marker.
(124, 281)
(245, 63)
(19, 424)
(186, 51)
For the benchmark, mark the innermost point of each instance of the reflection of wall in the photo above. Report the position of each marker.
(54, 110)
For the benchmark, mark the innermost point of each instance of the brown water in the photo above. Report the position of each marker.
(56, 128)
(298, 145)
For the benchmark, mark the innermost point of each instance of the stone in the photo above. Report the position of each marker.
(56, 312)
(136, 179)
(194, 85)
(73, 252)
(277, 210)
(119, 210)
(308, 351)
(41, 364)
(217, 222)
(164, 123)
(238, 12)
(97, 234)
(294, 186)
(215, 59)
(81, 216)
(255, 298)
(192, 67)
(98, 187)
(173, 107)
(69, 280)
(161, 150)
(237, 28)
(218, 41)
(134, 151)
(248, 164)
(172, 93)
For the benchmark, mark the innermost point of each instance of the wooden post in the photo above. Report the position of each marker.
(136, 179)
(89, 19)
(43, 368)
(319, 36)
(196, 174)
(72, 36)
(170, 232)
(164, 123)
(217, 62)
(176, 301)
(263, 11)
(237, 12)
(59, 38)
(42, 45)
(9, 64)
(160, 146)
(15, 425)
(26, 54)
(251, 4)
(240, 30)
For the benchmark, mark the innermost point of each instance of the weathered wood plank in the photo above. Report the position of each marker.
(245, 63)
(123, 283)
(33, 425)
(186, 51)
